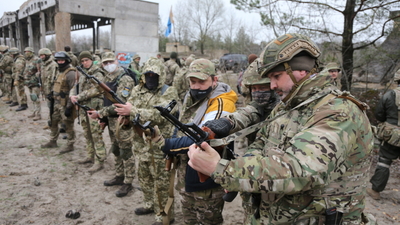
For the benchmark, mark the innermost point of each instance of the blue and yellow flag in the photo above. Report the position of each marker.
(169, 24)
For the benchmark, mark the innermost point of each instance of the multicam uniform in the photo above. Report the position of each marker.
(181, 82)
(321, 144)
(153, 178)
(89, 95)
(121, 148)
(48, 73)
(6, 64)
(172, 70)
(18, 76)
(74, 59)
(31, 74)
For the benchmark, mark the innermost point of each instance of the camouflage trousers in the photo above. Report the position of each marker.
(59, 117)
(36, 102)
(203, 207)
(122, 150)
(21, 92)
(98, 151)
(7, 80)
(154, 182)
(249, 209)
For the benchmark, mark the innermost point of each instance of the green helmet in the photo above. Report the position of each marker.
(397, 76)
(14, 51)
(283, 49)
(28, 49)
(3, 48)
(332, 66)
(189, 60)
(45, 51)
(201, 69)
(251, 77)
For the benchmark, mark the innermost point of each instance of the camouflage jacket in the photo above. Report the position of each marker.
(143, 101)
(18, 68)
(172, 70)
(125, 86)
(74, 59)
(314, 156)
(48, 73)
(31, 69)
(88, 92)
(135, 66)
(6, 64)
(181, 83)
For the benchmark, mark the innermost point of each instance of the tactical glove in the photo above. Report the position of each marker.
(221, 127)
(68, 112)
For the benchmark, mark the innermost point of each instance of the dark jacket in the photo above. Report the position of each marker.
(386, 110)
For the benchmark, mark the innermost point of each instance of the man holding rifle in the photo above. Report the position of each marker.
(6, 64)
(86, 93)
(118, 82)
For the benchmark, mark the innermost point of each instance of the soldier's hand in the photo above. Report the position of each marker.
(93, 114)
(74, 99)
(16, 83)
(123, 109)
(221, 127)
(204, 159)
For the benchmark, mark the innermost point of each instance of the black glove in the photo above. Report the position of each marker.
(221, 127)
(68, 112)
(50, 96)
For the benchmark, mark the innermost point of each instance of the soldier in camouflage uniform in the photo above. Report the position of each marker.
(154, 180)
(181, 83)
(18, 77)
(74, 59)
(311, 162)
(135, 66)
(121, 146)
(250, 70)
(334, 71)
(2, 88)
(63, 107)
(31, 74)
(48, 74)
(88, 95)
(173, 65)
(6, 64)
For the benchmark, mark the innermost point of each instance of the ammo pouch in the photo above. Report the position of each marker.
(34, 97)
(389, 133)
(113, 86)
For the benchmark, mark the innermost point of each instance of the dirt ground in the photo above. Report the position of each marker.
(66, 185)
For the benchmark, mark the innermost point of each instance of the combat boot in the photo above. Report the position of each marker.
(86, 160)
(115, 181)
(96, 167)
(143, 211)
(8, 102)
(374, 194)
(36, 118)
(68, 148)
(31, 116)
(124, 190)
(22, 107)
(14, 104)
(50, 144)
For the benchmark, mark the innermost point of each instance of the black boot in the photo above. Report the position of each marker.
(143, 211)
(14, 104)
(124, 190)
(22, 107)
(115, 181)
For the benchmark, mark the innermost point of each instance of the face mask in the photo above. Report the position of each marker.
(200, 94)
(110, 67)
(151, 81)
(261, 96)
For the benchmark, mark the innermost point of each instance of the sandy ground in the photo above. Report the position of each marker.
(66, 185)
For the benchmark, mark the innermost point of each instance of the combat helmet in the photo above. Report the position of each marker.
(3, 48)
(62, 55)
(28, 49)
(396, 76)
(332, 66)
(44, 51)
(251, 77)
(14, 51)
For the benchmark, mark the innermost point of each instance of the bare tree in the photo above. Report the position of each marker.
(203, 18)
(363, 22)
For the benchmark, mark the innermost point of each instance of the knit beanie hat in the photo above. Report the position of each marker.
(85, 54)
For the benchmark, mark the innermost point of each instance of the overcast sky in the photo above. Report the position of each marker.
(164, 7)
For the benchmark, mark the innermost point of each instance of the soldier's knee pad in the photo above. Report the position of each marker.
(384, 162)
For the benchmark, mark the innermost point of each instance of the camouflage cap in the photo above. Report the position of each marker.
(45, 51)
(28, 49)
(154, 65)
(108, 56)
(332, 66)
(136, 56)
(201, 69)
(284, 49)
(14, 50)
(397, 76)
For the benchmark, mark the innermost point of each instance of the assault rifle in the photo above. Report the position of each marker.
(145, 128)
(50, 97)
(110, 94)
(103, 121)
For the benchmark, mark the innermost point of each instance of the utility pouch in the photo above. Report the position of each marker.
(34, 97)
(333, 217)
(388, 133)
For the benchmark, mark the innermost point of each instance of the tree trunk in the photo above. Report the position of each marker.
(347, 45)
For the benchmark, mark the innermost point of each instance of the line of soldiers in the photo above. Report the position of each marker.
(309, 142)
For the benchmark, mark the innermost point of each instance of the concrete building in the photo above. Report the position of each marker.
(134, 24)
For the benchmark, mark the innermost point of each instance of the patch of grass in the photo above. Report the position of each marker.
(64, 164)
